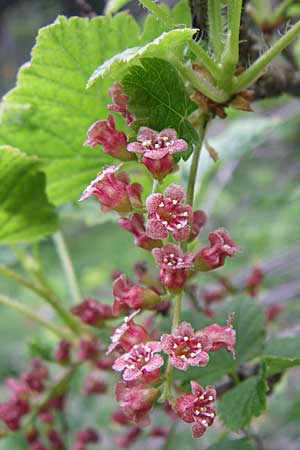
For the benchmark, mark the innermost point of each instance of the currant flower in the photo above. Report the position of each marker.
(197, 408)
(92, 312)
(135, 224)
(185, 347)
(221, 336)
(141, 362)
(173, 265)
(167, 213)
(157, 149)
(120, 102)
(114, 191)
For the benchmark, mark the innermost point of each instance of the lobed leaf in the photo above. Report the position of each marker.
(239, 405)
(282, 353)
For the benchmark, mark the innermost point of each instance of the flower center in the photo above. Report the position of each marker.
(155, 144)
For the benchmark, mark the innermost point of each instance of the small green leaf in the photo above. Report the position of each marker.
(159, 98)
(247, 400)
(169, 42)
(282, 353)
(25, 212)
(229, 444)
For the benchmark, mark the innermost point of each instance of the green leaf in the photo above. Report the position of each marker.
(282, 353)
(169, 42)
(239, 405)
(49, 111)
(182, 440)
(159, 98)
(229, 444)
(25, 213)
(248, 323)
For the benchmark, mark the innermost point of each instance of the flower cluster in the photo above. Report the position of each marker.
(165, 225)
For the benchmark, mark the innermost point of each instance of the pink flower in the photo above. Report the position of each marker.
(128, 438)
(135, 224)
(114, 191)
(94, 385)
(36, 376)
(120, 102)
(62, 352)
(128, 334)
(114, 142)
(92, 312)
(55, 440)
(12, 411)
(173, 266)
(272, 312)
(185, 347)
(88, 350)
(167, 213)
(254, 280)
(222, 245)
(157, 149)
(221, 336)
(128, 295)
(197, 408)
(85, 437)
(199, 220)
(136, 399)
(19, 388)
(120, 417)
(141, 362)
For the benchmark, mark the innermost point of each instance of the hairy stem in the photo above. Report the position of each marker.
(28, 312)
(205, 59)
(67, 265)
(230, 56)
(215, 27)
(254, 71)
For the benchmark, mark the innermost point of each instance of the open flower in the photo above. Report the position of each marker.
(157, 149)
(136, 399)
(92, 312)
(221, 246)
(114, 142)
(129, 295)
(197, 408)
(141, 362)
(185, 347)
(221, 336)
(135, 224)
(114, 191)
(167, 213)
(173, 265)
(128, 334)
(120, 102)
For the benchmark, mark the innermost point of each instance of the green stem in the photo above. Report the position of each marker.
(154, 185)
(201, 84)
(67, 265)
(251, 74)
(195, 161)
(28, 312)
(230, 57)
(205, 59)
(46, 294)
(215, 27)
(158, 12)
